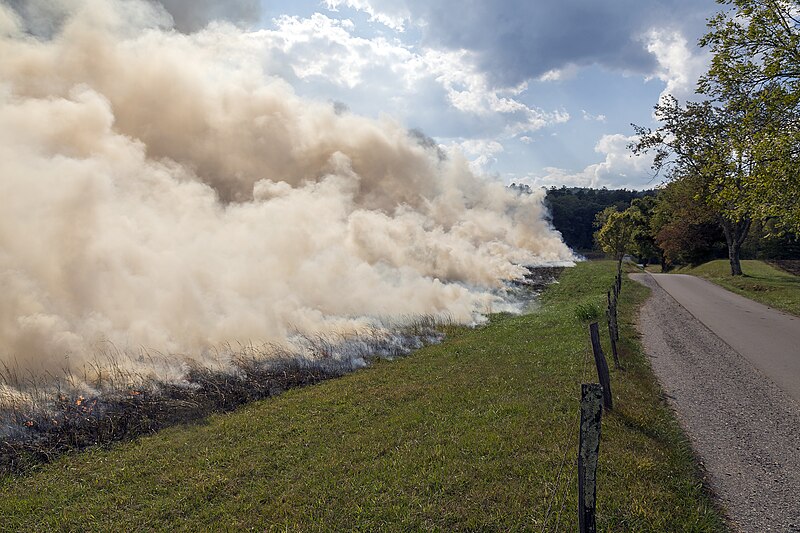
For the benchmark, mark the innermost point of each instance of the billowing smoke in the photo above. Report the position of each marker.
(158, 190)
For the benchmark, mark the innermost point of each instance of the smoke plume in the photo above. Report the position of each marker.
(158, 190)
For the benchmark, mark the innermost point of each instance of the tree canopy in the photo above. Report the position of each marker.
(738, 148)
(755, 75)
(615, 231)
(706, 145)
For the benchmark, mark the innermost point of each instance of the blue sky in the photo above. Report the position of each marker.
(541, 92)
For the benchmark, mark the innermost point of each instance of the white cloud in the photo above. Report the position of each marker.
(679, 65)
(619, 168)
(322, 51)
(593, 118)
(468, 90)
(325, 48)
(481, 153)
(559, 74)
(393, 19)
(546, 40)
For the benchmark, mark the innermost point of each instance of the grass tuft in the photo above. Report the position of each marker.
(587, 312)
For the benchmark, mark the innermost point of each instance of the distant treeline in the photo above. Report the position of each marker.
(692, 240)
(573, 211)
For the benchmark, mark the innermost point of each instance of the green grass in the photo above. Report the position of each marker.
(761, 282)
(478, 433)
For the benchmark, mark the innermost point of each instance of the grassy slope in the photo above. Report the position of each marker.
(761, 282)
(471, 434)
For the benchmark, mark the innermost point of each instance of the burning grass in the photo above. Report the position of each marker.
(121, 396)
(42, 417)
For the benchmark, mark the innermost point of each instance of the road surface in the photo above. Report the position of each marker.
(768, 338)
(729, 367)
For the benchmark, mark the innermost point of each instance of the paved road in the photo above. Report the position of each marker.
(726, 366)
(768, 338)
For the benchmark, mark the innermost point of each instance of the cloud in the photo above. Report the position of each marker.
(679, 64)
(470, 90)
(559, 74)
(393, 17)
(326, 49)
(192, 15)
(44, 18)
(593, 118)
(619, 168)
(482, 153)
(518, 40)
(321, 51)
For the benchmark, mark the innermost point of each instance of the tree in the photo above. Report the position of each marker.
(643, 243)
(685, 229)
(615, 232)
(707, 145)
(755, 70)
(755, 46)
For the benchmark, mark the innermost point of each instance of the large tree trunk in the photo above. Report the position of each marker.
(733, 256)
(735, 234)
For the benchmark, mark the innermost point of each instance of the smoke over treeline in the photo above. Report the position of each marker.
(160, 191)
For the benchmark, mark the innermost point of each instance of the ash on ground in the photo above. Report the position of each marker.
(39, 421)
(525, 292)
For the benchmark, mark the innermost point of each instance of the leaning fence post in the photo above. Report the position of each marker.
(601, 364)
(589, 448)
(612, 313)
(612, 334)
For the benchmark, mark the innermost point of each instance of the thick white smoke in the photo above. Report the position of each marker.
(159, 190)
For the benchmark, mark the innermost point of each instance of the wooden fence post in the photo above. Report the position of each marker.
(612, 334)
(612, 314)
(601, 364)
(589, 449)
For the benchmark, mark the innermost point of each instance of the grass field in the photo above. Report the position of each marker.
(761, 282)
(478, 433)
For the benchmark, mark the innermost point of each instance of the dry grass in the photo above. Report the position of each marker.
(44, 416)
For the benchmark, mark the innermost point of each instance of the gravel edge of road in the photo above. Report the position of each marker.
(743, 429)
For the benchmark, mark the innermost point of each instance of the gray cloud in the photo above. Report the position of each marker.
(44, 17)
(517, 40)
(192, 15)
(41, 18)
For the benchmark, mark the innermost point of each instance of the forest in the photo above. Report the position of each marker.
(667, 227)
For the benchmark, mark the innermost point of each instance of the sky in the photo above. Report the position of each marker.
(541, 92)
(538, 92)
